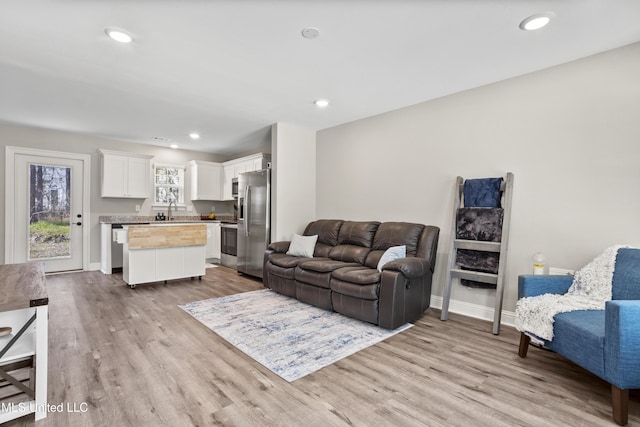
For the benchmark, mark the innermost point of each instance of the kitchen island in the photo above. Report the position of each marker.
(111, 252)
(156, 252)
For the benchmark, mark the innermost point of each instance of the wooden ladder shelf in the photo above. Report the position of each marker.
(497, 247)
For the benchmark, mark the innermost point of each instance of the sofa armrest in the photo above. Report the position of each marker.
(279, 247)
(531, 286)
(622, 343)
(402, 299)
(410, 267)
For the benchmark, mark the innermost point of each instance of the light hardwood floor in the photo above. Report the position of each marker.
(133, 358)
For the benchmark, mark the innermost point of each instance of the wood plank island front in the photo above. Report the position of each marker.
(156, 252)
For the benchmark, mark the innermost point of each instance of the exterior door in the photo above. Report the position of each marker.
(48, 210)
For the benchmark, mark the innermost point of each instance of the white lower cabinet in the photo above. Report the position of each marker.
(157, 264)
(138, 266)
(193, 262)
(213, 241)
(170, 263)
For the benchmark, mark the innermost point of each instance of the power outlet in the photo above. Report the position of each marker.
(189, 208)
(137, 208)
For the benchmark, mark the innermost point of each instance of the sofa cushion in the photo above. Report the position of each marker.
(349, 253)
(280, 284)
(358, 233)
(626, 275)
(358, 275)
(373, 258)
(279, 247)
(361, 309)
(326, 229)
(314, 295)
(323, 265)
(397, 234)
(302, 245)
(312, 278)
(366, 292)
(579, 336)
(322, 250)
(283, 272)
(286, 261)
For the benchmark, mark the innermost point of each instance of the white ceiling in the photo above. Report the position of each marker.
(229, 69)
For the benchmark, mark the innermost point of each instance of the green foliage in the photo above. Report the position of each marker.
(49, 230)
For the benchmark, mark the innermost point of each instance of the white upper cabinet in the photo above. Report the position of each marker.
(229, 174)
(242, 167)
(138, 176)
(260, 163)
(235, 167)
(206, 180)
(125, 175)
(212, 181)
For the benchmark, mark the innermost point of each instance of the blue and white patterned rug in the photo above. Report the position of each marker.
(291, 338)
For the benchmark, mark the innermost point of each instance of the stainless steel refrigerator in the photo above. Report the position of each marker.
(254, 220)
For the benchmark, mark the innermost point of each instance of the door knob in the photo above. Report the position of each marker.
(78, 223)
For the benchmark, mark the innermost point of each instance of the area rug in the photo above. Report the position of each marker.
(289, 337)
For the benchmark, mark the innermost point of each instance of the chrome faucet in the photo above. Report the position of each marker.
(169, 216)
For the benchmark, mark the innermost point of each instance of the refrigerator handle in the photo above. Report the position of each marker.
(247, 221)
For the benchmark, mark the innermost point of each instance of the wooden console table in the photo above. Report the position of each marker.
(24, 308)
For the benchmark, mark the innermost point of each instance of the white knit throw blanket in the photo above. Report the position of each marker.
(590, 289)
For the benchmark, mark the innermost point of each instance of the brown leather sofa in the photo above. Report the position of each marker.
(342, 275)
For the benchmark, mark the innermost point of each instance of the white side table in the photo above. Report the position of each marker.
(24, 308)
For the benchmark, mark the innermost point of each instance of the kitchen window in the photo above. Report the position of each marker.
(168, 184)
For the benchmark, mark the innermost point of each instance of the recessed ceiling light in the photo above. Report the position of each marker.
(310, 32)
(119, 35)
(321, 103)
(174, 146)
(537, 21)
(194, 135)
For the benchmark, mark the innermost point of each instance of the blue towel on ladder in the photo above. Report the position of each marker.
(482, 193)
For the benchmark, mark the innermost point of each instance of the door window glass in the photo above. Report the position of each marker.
(49, 211)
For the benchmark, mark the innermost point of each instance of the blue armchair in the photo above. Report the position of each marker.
(604, 342)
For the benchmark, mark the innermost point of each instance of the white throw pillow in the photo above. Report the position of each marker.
(394, 252)
(302, 245)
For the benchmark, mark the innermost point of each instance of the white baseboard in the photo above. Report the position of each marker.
(474, 310)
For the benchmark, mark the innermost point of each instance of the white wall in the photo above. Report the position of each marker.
(293, 183)
(570, 135)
